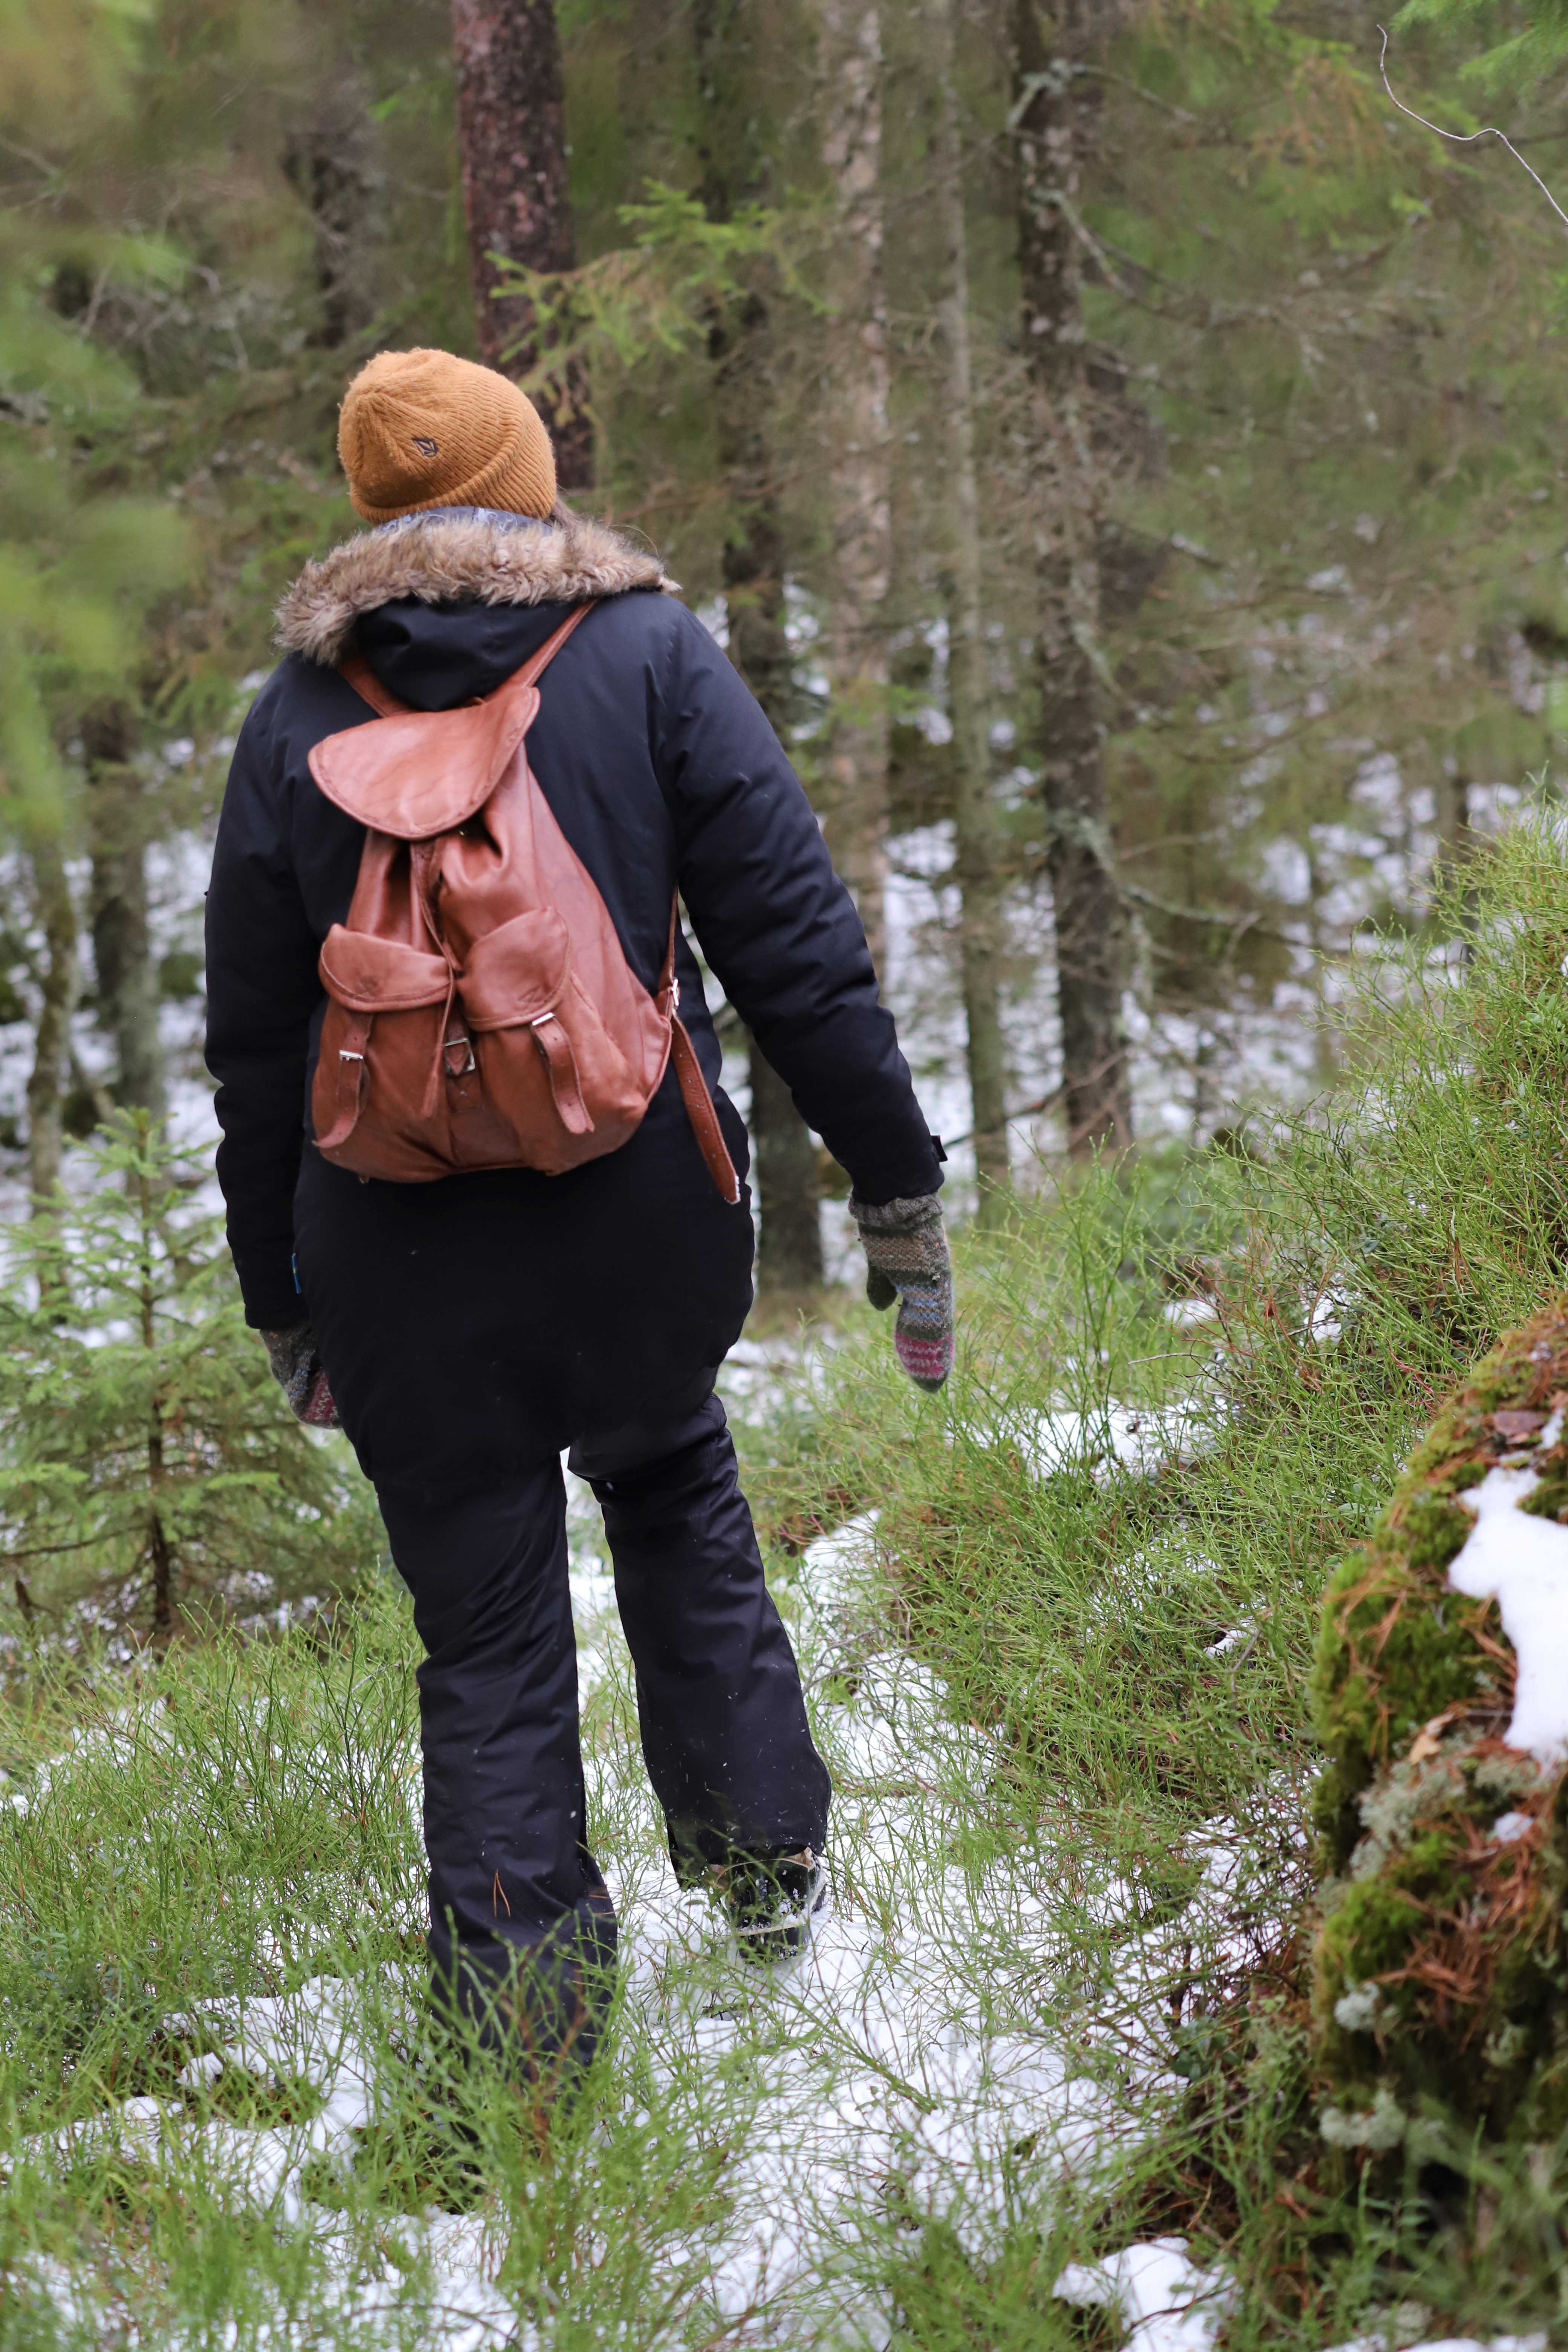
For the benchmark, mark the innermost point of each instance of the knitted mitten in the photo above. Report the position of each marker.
(906, 1253)
(297, 1367)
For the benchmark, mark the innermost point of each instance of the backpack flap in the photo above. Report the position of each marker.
(425, 771)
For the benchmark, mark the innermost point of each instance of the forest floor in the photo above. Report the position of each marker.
(1044, 2078)
(769, 2149)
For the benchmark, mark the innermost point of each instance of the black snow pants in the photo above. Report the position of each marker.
(720, 1707)
(472, 1330)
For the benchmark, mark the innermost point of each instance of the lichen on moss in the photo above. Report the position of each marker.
(1440, 1972)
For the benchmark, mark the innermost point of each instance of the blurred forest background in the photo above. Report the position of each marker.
(1119, 449)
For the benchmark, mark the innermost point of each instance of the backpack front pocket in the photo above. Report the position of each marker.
(369, 974)
(514, 975)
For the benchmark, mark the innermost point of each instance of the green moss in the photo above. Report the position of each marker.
(1439, 1976)
(1395, 1649)
(1436, 1526)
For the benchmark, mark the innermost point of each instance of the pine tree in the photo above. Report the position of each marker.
(854, 435)
(1525, 54)
(1052, 108)
(976, 833)
(511, 123)
(150, 1473)
(740, 352)
(118, 815)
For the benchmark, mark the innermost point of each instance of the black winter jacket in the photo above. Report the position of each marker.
(661, 770)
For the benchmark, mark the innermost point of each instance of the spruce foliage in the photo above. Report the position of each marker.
(150, 1473)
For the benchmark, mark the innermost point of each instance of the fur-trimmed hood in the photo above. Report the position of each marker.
(456, 553)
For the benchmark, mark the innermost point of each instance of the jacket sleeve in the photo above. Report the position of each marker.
(778, 926)
(262, 990)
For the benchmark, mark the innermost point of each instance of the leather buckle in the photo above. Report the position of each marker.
(463, 1044)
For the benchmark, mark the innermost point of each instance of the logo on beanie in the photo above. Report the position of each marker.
(425, 446)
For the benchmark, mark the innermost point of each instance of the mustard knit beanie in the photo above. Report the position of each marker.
(422, 429)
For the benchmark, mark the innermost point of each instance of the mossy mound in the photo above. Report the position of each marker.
(1440, 1964)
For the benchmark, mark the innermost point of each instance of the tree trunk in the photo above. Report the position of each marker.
(127, 997)
(1456, 842)
(327, 158)
(789, 1249)
(511, 132)
(789, 1256)
(162, 1559)
(160, 1553)
(855, 418)
(1049, 114)
(977, 841)
(1456, 850)
(58, 979)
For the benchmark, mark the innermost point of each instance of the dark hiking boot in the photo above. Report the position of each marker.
(537, 2009)
(772, 1899)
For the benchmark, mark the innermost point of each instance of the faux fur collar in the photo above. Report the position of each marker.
(453, 553)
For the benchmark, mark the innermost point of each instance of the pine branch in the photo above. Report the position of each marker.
(1464, 137)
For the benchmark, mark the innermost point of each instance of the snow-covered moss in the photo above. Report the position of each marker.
(1440, 1970)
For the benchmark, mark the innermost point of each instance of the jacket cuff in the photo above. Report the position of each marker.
(910, 1175)
(273, 1298)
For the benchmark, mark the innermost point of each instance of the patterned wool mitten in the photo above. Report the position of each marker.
(906, 1252)
(297, 1367)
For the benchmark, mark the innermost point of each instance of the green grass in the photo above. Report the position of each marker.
(1068, 1710)
(1426, 1207)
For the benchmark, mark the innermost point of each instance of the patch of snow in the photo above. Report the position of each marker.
(1510, 1826)
(1165, 2300)
(312, 2033)
(891, 2071)
(1521, 1562)
(1325, 1315)
(1141, 1439)
(1188, 1314)
(1452, 2344)
(114, 1739)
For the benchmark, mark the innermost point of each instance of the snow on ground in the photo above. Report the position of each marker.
(874, 2071)
(1164, 2302)
(1139, 1439)
(895, 2078)
(435, 2272)
(1453, 2344)
(1521, 1562)
(177, 872)
(114, 1739)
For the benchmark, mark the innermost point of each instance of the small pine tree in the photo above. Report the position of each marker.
(151, 1472)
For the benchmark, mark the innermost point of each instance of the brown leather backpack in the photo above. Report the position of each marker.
(481, 1013)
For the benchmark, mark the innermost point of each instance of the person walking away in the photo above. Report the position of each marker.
(485, 1195)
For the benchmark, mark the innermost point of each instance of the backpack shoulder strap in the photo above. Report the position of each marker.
(688, 1078)
(369, 688)
(537, 664)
